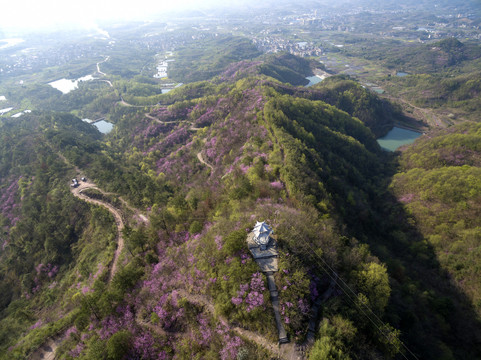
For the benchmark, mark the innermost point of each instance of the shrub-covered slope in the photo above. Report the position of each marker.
(46, 232)
(439, 184)
(206, 164)
(300, 164)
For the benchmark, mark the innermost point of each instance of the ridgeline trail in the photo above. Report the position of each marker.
(201, 159)
(191, 128)
(77, 192)
(284, 351)
(48, 349)
(87, 184)
(287, 351)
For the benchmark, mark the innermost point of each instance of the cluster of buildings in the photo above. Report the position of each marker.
(161, 69)
(387, 23)
(33, 59)
(278, 44)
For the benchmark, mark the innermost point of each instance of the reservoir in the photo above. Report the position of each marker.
(104, 126)
(314, 80)
(397, 137)
(66, 85)
(6, 110)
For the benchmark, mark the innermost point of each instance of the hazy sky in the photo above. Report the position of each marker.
(40, 14)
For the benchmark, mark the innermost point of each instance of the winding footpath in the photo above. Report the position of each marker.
(201, 159)
(48, 350)
(77, 192)
(191, 128)
(108, 82)
(122, 101)
(98, 66)
(283, 351)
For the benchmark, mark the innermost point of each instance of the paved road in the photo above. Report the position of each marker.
(98, 66)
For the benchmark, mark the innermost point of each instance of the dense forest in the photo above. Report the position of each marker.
(377, 251)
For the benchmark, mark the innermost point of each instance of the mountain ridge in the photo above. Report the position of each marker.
(276, 152)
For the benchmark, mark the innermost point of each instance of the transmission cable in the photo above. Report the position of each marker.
(353, 301)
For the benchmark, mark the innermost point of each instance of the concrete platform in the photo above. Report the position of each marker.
(266, 259)
(268, 265)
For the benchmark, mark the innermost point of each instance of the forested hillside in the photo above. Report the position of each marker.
(439, 185)
(208, 183)
(205, 164)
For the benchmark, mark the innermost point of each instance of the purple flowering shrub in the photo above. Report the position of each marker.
(226, 272)
(43, 274)
(209, 337)
(181, 165)
(143, 344)
(251, 294)
(208, 111)
(277, 185)
(152, 131)
(165, 275)
(294, 294)
(184, 329)
(77, 350)
(240, 69)
(178, 111)
(37, 324)
(234, 123)
(230, 343)
(232, 137)
(161, 144)
(175, 138)
(86, 284)
(170, 314)
(122, 319)
(9, 205)
(205, 332)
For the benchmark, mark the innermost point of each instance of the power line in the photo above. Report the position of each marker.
(353, 301)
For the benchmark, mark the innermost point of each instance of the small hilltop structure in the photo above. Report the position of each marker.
(263, 248)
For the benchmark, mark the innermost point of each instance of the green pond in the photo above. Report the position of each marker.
(104, 126)
(313, 80)
(397, 137)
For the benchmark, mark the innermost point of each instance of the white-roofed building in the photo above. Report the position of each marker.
(262, 232)
(264, 250)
